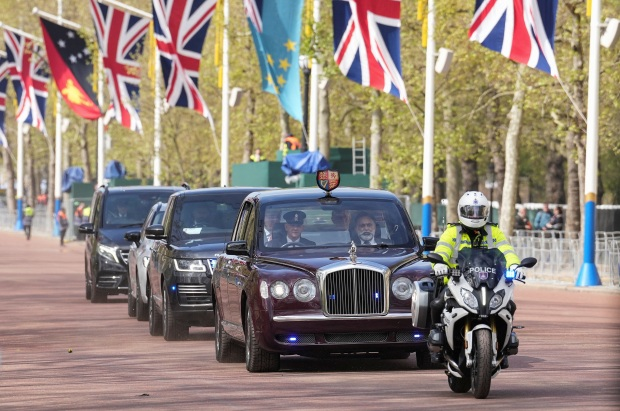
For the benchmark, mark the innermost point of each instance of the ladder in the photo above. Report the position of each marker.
(358, 148)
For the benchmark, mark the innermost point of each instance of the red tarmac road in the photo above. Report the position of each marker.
(568, 360)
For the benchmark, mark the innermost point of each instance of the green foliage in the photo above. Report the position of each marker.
(479, 89)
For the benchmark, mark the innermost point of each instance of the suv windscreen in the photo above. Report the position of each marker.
(129, 209)
(208, 219)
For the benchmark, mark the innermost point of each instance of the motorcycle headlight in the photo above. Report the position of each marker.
(469, 299)
(496, 300)
(195, 266)
(304, 290)
(279, 290)
(402, 288)
(108, 252)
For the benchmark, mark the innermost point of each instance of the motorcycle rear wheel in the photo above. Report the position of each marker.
(481, 368)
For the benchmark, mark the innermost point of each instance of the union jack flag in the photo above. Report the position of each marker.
(29, 77)
(180, 30)
(121, 38)
(4, 70)
(367, 43)
(522, 30)
(252, 11)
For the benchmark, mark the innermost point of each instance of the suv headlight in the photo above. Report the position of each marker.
(304, 290)
(402, 288)
(195, 266)
(108, 252)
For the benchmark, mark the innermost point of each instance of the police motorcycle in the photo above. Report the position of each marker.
(476, 334)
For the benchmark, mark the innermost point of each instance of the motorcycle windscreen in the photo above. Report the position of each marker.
(481, 266)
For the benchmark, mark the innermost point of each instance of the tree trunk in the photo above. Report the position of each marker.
(10, 180)
(51, 176)
(469, 174)
(248, 144)
(29, 180)
(574, 138)
(285, 127)
(509, 192)
(452, 170)
(554, 180)
(375, 145)
(324, 115)
(88, 176)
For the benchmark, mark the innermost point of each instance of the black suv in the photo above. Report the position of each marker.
(196, 225)
(114, 211)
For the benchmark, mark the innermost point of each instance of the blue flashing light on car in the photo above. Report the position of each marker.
(377, 296)
(292, 339)
(173, 288)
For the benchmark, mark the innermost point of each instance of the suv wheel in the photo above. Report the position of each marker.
(97, 295)
(173, 330)
(142, 310)
(154, 317)
(131, 300)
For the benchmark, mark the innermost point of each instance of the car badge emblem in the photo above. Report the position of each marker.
(328, 180)
(353, 253)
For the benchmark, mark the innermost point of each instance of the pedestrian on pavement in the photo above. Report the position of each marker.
(27, 220)
(542, 217)
(63, 223)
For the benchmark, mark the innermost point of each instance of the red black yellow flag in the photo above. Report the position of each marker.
(72, 68)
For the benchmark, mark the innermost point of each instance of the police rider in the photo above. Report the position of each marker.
(472, 231)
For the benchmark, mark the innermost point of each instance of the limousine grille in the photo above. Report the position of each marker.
(354, 291)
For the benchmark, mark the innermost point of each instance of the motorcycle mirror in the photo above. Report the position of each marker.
(528, 262)
(435, 258)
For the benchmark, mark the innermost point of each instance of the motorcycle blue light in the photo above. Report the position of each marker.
(510, 275)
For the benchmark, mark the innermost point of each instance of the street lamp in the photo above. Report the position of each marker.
(491, 184)
(304, 64)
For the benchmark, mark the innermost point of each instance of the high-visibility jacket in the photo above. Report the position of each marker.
(455, 238)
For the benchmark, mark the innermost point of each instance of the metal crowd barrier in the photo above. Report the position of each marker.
(559, 253)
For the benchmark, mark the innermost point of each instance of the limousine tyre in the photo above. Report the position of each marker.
(257, 359)
(154, 317)
(142, 309)
(172, 329)
(423, 359)
(88, 295)
(226, 351)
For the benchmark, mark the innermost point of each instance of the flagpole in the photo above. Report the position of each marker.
(429, 125)
(157, 124)
(20, 176)
(225, 107)
(21, 33)
(588, 274)
(100, 137)
(125, 7)
(315, 73)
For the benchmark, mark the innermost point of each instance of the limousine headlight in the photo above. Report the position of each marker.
(304, 290)
(402, 288)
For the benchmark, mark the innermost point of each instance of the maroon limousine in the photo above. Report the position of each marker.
(317, 272)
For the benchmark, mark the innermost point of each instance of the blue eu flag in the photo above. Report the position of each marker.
(277, 46)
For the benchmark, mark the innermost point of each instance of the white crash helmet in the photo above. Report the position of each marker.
(473, 209)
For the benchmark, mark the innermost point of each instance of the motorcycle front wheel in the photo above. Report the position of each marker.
(481, 368)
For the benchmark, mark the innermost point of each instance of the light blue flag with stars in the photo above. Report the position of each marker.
(276, 29)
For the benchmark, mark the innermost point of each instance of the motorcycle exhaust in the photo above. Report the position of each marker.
(453, 368)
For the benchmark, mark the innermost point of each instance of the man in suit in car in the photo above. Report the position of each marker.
(367, 231)
(294, 226)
